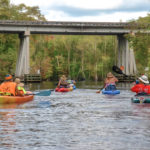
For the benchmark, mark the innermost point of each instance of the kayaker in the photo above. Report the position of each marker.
(20, 86)
(63, 82)
(142, 87)
(8, 87)
(109, 83)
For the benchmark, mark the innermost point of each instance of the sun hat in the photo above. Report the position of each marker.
(63, 77)
(8, 77)
(17, 80)
(21, 84)
(144, 79)
(109, 75)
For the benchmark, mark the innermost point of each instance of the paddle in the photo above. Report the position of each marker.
(41, 93)
(118, 70)
(99, 91)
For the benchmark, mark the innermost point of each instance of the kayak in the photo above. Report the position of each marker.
(111, 92)
(140, 99)
(15, 99)
(63, 89)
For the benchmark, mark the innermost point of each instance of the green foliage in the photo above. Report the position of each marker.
(141, 45)
(9, 43)
(7, 54)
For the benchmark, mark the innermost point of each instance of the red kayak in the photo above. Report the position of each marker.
(63, 89)
(15, 99)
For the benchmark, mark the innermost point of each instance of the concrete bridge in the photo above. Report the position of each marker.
(25, 28)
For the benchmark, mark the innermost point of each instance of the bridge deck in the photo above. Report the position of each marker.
(54, 27)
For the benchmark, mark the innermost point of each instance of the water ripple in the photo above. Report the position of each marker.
(76, 120)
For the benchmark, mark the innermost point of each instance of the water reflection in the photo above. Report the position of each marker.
(81, 85)
(7, 132)
(81, 119)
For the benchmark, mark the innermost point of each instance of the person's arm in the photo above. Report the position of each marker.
(59, 83)
(115, 79)
(102, 87)
(134, 88)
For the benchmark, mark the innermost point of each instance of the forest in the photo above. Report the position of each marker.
(78, 57)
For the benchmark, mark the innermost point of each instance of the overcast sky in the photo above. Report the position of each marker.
(90, 10)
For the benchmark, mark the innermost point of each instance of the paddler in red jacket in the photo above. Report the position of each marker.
(143, 87)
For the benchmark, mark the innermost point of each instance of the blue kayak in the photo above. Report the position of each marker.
(111, 92)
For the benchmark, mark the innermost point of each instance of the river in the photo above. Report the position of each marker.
(77, 120)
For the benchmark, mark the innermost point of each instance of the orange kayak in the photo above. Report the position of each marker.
(15, 99)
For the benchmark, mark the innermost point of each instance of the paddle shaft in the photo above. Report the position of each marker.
(99, 91)
(41, 93)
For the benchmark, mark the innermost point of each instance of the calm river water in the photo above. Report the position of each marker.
(77, 120)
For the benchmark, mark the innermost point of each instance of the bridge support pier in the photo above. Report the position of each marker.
(126, 56)
(22, 66)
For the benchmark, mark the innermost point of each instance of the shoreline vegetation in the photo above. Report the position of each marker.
(78, 57)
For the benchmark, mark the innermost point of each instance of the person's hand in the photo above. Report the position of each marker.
(98, 91)
(133, 83)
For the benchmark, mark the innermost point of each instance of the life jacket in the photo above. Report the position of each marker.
(146, 89)
(141, 88)
(110, 87)
(8, 88)
(21, 90)
(109, 84)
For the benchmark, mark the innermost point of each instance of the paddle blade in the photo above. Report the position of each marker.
(117, 70)
(122, 68)
(43, 93)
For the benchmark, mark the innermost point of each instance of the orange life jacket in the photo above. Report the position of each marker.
(8, 87)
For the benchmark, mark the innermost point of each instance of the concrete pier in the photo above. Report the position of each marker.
(22, 66)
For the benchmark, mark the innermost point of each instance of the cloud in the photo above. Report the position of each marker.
(118, 16)
(125, 7)
(90, 10)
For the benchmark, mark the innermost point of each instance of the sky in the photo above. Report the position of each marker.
(90, 10)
